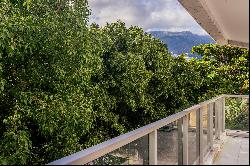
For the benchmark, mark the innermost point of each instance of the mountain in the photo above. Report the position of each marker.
(181, 42)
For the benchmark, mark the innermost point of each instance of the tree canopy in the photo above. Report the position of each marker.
(66, 86)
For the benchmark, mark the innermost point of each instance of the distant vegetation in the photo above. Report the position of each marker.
(65, 86)
(237, 114)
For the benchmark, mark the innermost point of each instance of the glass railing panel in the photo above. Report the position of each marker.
(205, 128)
(134, 153)
(167, 144)
(213, 120)
(192, 139)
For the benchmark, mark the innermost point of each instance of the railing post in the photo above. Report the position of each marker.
(153, 148)
(247, 100)
(223, 113)
(217, 119)
(145, 152)
(220, 116)
(185, 140)
(210, 125)
(180, 142)
(199, 136)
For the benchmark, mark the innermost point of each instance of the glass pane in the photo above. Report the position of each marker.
(192, 156)
(167, 144)
(204, 124)
(134, 153)
(214, 121)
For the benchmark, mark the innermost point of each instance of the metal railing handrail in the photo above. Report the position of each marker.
(237, 96)
(94, 152)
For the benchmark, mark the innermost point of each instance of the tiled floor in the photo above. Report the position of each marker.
(235, 150)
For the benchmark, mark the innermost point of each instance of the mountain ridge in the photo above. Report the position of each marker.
(181, 42)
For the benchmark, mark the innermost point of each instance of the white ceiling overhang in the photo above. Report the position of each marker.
(226, 21)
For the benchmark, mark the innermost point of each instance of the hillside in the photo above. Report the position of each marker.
(181, 42)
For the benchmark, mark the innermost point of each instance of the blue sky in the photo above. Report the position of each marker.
(148, 14)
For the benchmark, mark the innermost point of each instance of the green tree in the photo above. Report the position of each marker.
(66, 86)
(225, 69)
(46, 70)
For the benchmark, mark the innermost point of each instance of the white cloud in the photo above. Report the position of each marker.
(148, 14)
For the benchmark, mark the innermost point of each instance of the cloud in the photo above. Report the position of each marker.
(147, 14)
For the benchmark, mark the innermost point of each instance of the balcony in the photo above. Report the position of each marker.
(196, 135)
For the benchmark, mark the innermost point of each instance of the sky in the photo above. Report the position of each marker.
(166, 15)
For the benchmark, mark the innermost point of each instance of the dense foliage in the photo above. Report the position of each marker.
(237, 114)
(65, 86)
(226, 68)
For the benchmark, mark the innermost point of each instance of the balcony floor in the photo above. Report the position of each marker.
(235, 150)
